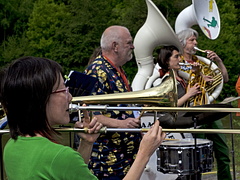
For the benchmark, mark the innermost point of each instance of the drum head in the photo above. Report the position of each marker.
(185, 142)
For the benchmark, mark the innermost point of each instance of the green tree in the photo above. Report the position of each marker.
(69, 30)
(44, 23)
(14, 18)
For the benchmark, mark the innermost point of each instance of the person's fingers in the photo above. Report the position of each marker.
(95, 129)
(95, 126)
(86, 118)
(155, 127)
(78, 124)
(93, 122)
(133, 124)
(98, 127)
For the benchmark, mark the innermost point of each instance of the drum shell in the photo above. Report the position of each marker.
(177, 156)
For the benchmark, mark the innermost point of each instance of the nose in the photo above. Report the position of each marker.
(195, 42)
(69, 96)
(132, 46)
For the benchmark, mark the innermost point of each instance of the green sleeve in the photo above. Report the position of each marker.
(69, 165)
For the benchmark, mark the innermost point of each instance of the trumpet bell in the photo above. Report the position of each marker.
(162, 95)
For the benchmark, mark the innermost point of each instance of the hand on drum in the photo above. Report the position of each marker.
(93, 127)
(152, 140)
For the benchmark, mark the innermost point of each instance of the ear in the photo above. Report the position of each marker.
(115, 46)
(168, 64)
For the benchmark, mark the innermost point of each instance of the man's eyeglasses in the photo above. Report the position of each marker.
(66, 90)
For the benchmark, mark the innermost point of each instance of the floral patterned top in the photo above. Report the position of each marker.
(113, 153)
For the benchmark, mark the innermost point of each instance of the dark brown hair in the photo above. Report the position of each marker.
(26, 85)
(164, 55)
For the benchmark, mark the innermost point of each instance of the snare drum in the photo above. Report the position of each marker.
(177, 156)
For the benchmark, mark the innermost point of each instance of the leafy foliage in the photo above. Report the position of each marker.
(68, 31)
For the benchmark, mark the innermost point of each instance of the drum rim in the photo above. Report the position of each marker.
(188, 142)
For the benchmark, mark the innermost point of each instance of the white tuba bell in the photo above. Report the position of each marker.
(206, 15)
(203, 13)
(155, 32)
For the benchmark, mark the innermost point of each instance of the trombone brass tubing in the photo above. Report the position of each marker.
(104, 130)
(158, 109)
(136, 130)
(164, 95)
(4, 131)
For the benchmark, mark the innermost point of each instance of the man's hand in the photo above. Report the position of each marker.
(213, 56)
(130, 123)
(207, 78)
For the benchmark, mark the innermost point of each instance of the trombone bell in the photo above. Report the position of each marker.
(163, 95)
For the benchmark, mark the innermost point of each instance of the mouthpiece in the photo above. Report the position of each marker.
(76, 108)
(196, 48)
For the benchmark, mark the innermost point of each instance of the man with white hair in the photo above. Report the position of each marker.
(114, 153)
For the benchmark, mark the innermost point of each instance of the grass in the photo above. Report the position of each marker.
(232, 141)
(232, 121)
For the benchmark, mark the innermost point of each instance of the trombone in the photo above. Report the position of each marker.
(164, 97)
(105, 130)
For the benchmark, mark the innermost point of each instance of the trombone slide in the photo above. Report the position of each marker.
(76, 108)
(136, 130)
(105, 130)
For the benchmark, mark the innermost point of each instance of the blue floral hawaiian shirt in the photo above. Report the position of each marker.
(113, 153)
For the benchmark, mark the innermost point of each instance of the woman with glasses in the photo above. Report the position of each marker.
(34, 97)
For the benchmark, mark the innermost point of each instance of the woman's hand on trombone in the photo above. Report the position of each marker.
(92, 126)
(87, 139)
(150, 142)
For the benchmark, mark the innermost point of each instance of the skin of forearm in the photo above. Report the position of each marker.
(224, 71)
(182, 100)
(137, 167)
(109, 122)
(85, 149)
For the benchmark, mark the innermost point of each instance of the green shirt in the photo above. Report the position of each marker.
(35, 158)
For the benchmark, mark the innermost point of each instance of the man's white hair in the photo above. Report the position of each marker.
(110, 35)
(185, 34)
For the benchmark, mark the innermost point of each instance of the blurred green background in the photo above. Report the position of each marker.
(68, 31)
